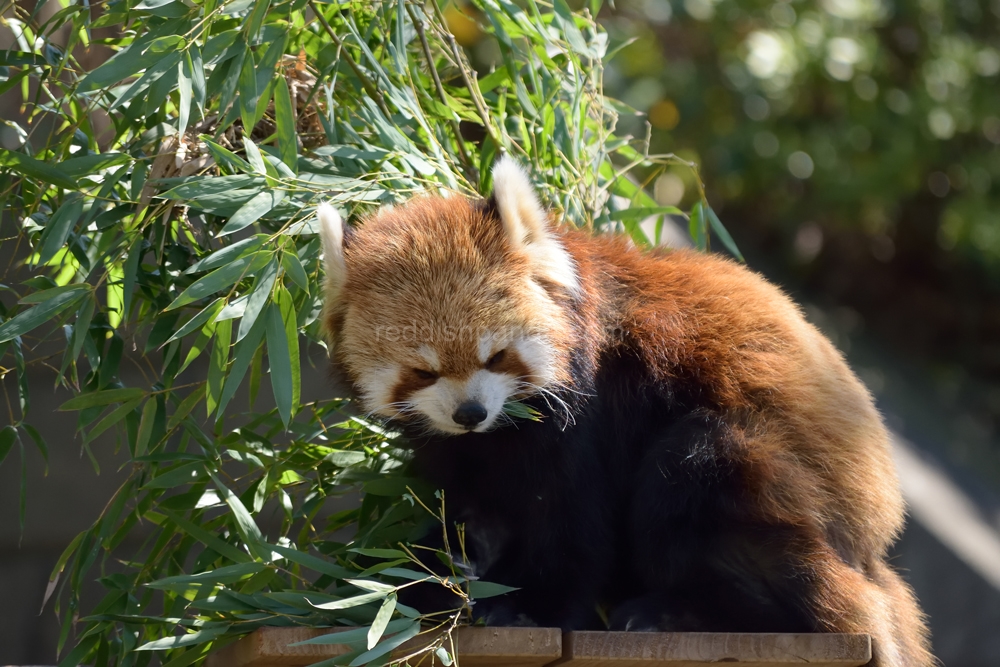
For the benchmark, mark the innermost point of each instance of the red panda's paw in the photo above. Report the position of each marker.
(654, 613)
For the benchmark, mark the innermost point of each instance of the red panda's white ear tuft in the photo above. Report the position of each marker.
(331, 231)
(527, 225)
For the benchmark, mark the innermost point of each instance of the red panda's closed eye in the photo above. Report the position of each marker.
(495, 359)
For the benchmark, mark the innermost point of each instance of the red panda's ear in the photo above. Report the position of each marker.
(527, 224)
(331, 231)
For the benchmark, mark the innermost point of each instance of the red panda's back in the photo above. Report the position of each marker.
(816, 443)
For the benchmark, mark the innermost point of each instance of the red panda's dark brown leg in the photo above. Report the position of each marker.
(714, 554)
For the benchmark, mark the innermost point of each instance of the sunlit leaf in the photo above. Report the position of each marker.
(221, 278)
(284, 118)
(191, 639)
(382, 619)
(259, 297)
(253, 210)
(185, 90)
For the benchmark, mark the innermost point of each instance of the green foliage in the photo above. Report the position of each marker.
(167, 197)
(860, 114)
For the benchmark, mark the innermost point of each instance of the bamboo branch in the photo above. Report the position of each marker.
(419, 25)
(468, 77)
(370, 88)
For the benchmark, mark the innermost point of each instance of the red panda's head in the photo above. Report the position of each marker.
(442, 310)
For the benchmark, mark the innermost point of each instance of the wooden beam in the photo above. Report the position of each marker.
(476, 647)
(697, 649)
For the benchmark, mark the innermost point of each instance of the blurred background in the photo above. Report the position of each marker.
(852, 148)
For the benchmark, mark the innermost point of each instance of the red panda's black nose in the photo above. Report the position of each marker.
(470, 414)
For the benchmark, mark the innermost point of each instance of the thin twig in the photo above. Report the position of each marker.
(370, 88)
(469, 77)
(419, 25)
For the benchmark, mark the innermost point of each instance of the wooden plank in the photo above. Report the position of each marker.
(476, 647)
(696, 649)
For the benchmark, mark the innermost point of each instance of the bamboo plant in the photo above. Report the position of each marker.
(164, 207)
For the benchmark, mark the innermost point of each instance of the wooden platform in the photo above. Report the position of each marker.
(694, 649)
(476, 647)
(535, 647)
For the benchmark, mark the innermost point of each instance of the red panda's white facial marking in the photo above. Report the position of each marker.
(436, 309)
(438, 403)
(424, 392)
(376, 389)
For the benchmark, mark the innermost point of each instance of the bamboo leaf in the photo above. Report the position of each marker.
(191, 639)
(206, 538)
(253, 210)
(86, 165)
(148, 79)
(245, 524)
(182, 475)
(256, 18)
(197, 78)
(130, 275)
(185, 408)
(185, 90)
(355, 601)
(314, 563)
(285, 122)
(145, 428)
(8, 435)
(114, 417)
(293, 267)
(379, 553)
(122, 65)
(283, 354)
(81, 329)
(59, 227)
(40, 443)
(373, 586)
(204, 337)
(248, 92)
(217, 366)
(404, 573)
(105, 397)
(381, 620)
(34, 317)
(221, 278)
(388, 645)
(232, 68)
(642, 212)
(222, 575)
(353, 635)
(206, 314)
(254, 157)
(259, 297)
(723, 234)
(245, 351)
(227, 254)
(696, 227)
(484, 589)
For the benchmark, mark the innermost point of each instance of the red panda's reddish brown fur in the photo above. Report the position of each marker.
(807, 454)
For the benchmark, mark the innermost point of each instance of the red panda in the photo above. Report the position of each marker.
(706, 461)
